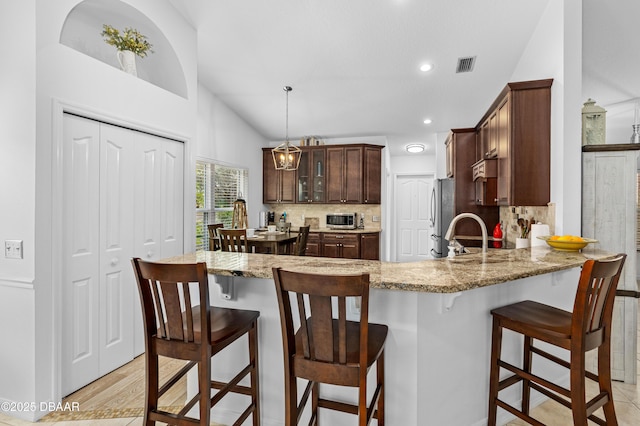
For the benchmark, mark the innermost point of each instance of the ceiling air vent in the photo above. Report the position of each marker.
(465, 64)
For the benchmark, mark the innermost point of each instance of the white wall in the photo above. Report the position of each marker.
(29, 288)
(17, 189)
(555, 51)
(225, 137)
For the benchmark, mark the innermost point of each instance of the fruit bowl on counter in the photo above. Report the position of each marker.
(567, 242)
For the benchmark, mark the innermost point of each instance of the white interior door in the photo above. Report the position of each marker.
(159, 208)
(116, 246)
(412, 207)
(123, 197)
(80, 245)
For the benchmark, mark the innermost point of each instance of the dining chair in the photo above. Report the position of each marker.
(233, 240)
(326, 347)
(300, 247)
(214, 239)
(174, 328)
(587, 327)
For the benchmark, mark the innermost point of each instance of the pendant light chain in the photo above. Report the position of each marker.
(287, 89)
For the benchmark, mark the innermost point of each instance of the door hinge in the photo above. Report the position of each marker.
(628, 293)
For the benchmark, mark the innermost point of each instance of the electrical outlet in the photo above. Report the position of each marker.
(376, 218)
(13, 249)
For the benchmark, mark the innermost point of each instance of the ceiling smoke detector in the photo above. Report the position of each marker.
(465, 64)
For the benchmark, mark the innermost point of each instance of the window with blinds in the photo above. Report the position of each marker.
(217, 188)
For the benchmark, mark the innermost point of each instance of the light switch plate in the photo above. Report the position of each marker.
(13, 249)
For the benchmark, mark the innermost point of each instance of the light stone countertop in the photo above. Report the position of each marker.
(445, 275)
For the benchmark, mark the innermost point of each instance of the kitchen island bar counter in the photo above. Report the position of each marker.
(461, 273)
(438, 314)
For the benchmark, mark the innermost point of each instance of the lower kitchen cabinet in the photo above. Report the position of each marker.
(344, 245)
(370, 246)
(341, 245)
(313, 244)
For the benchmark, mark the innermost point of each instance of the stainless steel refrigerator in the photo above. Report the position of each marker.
(442, 213)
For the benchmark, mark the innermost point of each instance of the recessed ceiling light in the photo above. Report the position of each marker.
(415, 148)
(426, 67)
(427, 121)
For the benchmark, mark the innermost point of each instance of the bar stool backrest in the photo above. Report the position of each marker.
(593, 305)
(313, 294)
(166, 299)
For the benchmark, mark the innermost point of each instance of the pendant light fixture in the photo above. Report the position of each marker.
(285, 155)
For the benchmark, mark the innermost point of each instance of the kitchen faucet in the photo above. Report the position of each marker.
(449, 235)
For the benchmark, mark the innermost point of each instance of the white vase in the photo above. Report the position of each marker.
(127, 61)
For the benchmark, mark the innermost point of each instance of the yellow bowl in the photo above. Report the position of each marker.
(567, 245)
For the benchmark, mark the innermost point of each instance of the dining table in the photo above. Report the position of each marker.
(277, 242)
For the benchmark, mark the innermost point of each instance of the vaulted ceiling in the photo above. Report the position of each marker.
(354, 65)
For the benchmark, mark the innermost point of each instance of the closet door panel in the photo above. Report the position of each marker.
(147, 197)
(172, 199)
(117, 282)
(80, 245)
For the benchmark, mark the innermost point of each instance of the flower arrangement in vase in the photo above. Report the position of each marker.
(130, 43)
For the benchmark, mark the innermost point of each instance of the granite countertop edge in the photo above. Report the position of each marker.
(463, 273)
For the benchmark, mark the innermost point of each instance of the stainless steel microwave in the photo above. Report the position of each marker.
(342, 221)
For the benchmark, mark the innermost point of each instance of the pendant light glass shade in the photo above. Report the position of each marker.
(285, 155)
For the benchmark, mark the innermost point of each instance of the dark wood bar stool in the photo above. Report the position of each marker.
(329, 350)
(586, 328)
(175, 329)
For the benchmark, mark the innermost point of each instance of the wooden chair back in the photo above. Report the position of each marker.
(300, 248)
(314, 294)
(593, 305)
(233, 240)
(214, 240)
(166, 299)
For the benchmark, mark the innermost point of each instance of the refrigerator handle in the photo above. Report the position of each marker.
(432, 219)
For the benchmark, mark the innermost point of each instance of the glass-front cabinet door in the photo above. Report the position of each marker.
(317, 163)
(311, 180)
(304, 182)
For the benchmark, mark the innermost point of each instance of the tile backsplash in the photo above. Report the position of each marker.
(540, 214)
(297, 213)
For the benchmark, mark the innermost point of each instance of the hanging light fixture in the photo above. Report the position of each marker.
(285, 155)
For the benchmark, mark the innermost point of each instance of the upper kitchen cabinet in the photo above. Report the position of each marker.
(354, 174)
(344, 174)
(520, 121)
(329, 174)
(311, 176)
(278, 186)
(372, 174)
(462, 145)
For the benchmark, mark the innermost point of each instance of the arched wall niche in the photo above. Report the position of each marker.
(81, 32)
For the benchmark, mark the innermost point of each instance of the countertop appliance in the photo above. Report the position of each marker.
(342, 220)
(442, 213)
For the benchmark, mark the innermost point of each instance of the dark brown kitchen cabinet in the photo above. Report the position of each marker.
(372, 174)
(484, 176)
(450, 156)
(313, 244)
(523, 123)
(341, 245)
(463, 146)
(278, 186)
(344, 174)
(311, 176)
(370, 246)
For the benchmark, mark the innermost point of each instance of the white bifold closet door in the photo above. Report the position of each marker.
(122, 197)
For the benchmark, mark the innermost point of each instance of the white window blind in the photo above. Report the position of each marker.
(217, 188)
